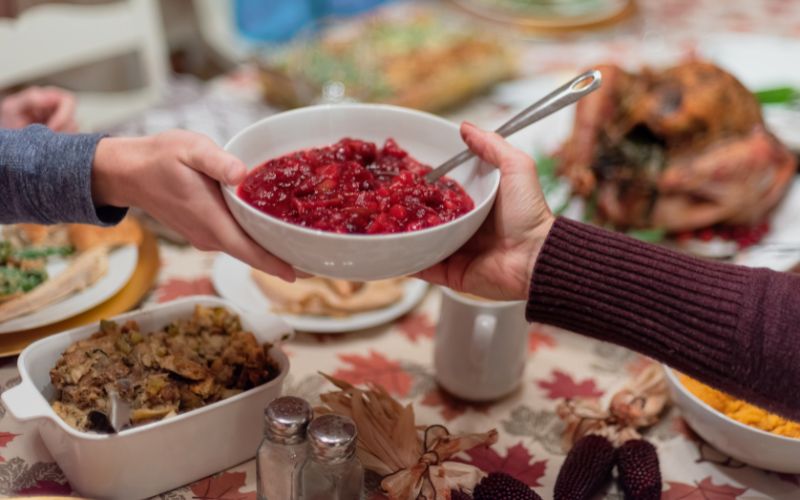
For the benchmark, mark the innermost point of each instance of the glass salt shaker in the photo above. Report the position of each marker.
(283, 449)
(332, 470)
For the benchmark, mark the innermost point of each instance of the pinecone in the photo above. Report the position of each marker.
(499, 485)
(586, 469)
(639, 475)
(459, 495)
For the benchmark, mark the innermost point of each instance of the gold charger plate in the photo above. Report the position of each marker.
(550, 24)
(128, 297)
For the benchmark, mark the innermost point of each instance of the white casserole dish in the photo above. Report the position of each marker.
(159, 456)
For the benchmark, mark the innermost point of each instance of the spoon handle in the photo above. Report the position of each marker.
(563, 96)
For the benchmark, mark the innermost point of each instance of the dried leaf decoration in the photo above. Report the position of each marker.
(415, 465)
(636, 406)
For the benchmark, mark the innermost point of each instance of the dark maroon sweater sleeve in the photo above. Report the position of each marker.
(734, 328)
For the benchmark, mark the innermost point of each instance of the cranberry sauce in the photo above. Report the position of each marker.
(354, 187)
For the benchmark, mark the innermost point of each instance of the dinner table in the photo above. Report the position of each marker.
(399, 355)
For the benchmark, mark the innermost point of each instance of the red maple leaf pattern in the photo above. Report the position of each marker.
(176, 288)
(537, 339)
(451, 406)
(563, 385)
(223, 486)
(417, 326)
(518, 463)
(376, 369)
(5, 438)
(704, 490)
(46, 487)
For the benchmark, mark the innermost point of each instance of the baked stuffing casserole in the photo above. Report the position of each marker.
(185, 365)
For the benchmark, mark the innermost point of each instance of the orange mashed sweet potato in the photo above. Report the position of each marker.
(741, 411)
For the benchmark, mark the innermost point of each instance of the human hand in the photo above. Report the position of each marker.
(49, 106)
(497, 262)
(172, 176)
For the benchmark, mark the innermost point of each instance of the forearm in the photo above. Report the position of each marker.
(735, 328)
(45, 178)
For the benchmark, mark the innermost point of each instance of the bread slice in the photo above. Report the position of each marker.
(324, 297)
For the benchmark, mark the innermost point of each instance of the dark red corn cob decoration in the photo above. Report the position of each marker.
(459, 495)
(586, 469)
(501, 486)
(639, 474)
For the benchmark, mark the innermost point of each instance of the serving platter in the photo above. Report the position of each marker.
(757, 61)
(232, 280)
(138, 284)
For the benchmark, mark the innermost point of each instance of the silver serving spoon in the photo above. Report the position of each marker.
(118, 415)
(565, 95)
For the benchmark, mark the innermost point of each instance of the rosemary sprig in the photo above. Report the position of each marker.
(777, 95)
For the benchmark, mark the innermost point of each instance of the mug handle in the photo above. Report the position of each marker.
(482, 335)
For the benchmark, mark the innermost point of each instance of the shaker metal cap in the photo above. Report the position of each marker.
(286, 419)
(332, 438)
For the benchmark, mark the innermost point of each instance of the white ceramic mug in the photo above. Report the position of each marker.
(480, 346)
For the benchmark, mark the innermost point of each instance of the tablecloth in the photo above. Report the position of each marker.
(399, 355)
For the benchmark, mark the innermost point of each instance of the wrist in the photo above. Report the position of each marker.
(537, 239)
(115, 161)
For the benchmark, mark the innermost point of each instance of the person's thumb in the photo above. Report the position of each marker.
(493, 149)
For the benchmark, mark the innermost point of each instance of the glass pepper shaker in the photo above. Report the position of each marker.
(332, 470)
(283, 449)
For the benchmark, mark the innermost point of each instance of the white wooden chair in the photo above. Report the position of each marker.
(215, 19)
(50, 38)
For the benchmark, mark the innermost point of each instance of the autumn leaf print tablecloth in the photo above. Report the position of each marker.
(399, 356)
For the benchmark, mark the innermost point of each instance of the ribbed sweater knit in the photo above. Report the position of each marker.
(732, 327)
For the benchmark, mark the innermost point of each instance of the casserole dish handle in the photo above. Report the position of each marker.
(25, 402)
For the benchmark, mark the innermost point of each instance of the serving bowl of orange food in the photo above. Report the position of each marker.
(743, 431)
(337, 190)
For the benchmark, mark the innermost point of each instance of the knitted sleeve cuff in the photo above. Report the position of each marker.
(678, 309)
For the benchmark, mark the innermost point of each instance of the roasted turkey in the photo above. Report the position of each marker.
(679, 149)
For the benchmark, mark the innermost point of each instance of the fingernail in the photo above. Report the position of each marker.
(469, 124)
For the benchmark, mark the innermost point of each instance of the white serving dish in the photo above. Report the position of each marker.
(744, 443)
(426, 137)
(156, 457)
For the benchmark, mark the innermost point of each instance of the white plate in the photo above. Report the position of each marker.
(121, 265)
(232, 280)
(759, 62)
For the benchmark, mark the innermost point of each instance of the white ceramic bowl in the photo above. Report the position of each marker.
(426, 137)
(744, 443)
(156, 457)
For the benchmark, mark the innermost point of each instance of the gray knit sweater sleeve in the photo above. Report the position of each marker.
(45, 177)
